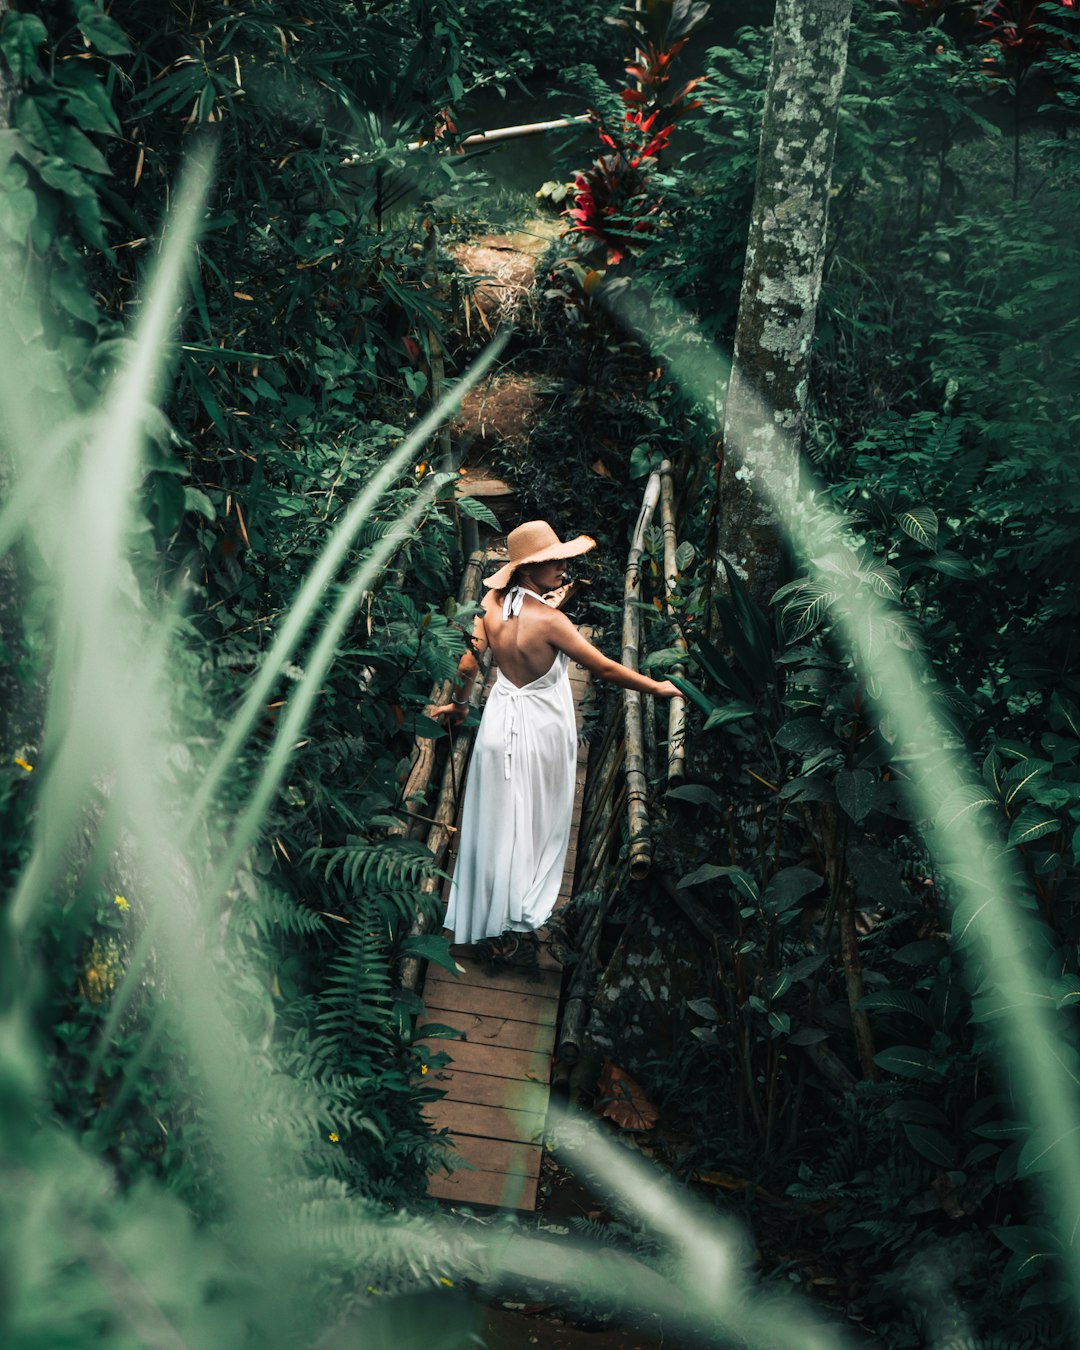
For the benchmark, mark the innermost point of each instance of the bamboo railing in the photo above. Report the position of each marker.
(676, 706)
(441, 821)
(636, 782)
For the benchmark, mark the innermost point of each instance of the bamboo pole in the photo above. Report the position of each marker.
(578, 1001)
(676, 706)
(438, 839)
(497, 134)
(602, 774)
(414, 794)
(492, 137)
(600, 850)
(636, 783)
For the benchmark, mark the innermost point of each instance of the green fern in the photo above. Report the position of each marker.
(364, 864)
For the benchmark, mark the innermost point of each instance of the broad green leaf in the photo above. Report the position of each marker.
(478, 510)
(1003, 1129)
(101, 32)
(439, 1031)
(805, 610)
(809, 965)
(876, 877)
(931, 1144)
(196, 500)
(713, 871)
(643, 458)
(1066, 991)
(966, 799)
(915, 1111)
(1031, 824)
(693, 693)
(897, 1000)
(697, 793)
(80, 150)
(925, 952)
(20, 37)
(884, 580)
(1038, 1154)
(808, 1036)
(780, 1022)
(991, 773)
(921, 524)
(703, 1008)
(726, 714)
(855, 792)
(17, 210)
(684, 555)
(713, 662)
(1020, 776)
(908, 1061)
(1064, 715)
(953, 565)
(788, 886)
(804, 735)
(431, 947)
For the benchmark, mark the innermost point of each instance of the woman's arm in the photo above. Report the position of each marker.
(566, 638)
(467, 669)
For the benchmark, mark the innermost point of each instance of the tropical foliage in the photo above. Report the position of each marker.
(210, 1092)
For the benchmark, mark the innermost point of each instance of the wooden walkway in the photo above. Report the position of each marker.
(496, 1085)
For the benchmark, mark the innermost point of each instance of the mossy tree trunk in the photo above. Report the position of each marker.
(766, 402)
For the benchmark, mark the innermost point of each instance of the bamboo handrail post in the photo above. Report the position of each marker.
(636, 785)
(439, 835)
(676, 706)
(420, 775)
(604, 774)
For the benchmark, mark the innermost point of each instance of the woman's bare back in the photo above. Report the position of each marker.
(521, 645)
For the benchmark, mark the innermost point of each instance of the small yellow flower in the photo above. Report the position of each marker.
(120, 902)
(333, 1138)
(23, 764)
(423, 1068)
(443, 1280)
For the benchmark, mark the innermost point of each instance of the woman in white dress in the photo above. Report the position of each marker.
(519, 799)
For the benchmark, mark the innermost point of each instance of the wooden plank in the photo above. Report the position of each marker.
(531, 1065)
(499, 1155)
(504, 1032)
(486, 1089)
(448, 993)
(542, 982)
(493, 1190)
(486, 1122)
(545, 960)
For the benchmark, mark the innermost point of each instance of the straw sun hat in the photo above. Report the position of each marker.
(535, 542)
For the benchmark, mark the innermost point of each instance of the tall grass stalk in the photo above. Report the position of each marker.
(996, 916)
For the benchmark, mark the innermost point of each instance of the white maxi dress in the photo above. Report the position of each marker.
(519, 802)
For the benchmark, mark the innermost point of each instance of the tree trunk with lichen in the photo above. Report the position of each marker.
(766, 401)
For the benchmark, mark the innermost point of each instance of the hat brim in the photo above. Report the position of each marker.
(573, 548)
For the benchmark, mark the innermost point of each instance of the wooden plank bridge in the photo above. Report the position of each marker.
(497, 1083)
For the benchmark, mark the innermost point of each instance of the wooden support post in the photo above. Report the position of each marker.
(676, 706)
(636, 783)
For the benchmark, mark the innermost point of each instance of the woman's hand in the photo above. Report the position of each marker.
(665, 689)
(455, 713)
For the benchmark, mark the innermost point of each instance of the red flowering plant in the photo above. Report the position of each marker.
(1023, 34)
(615, 205)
